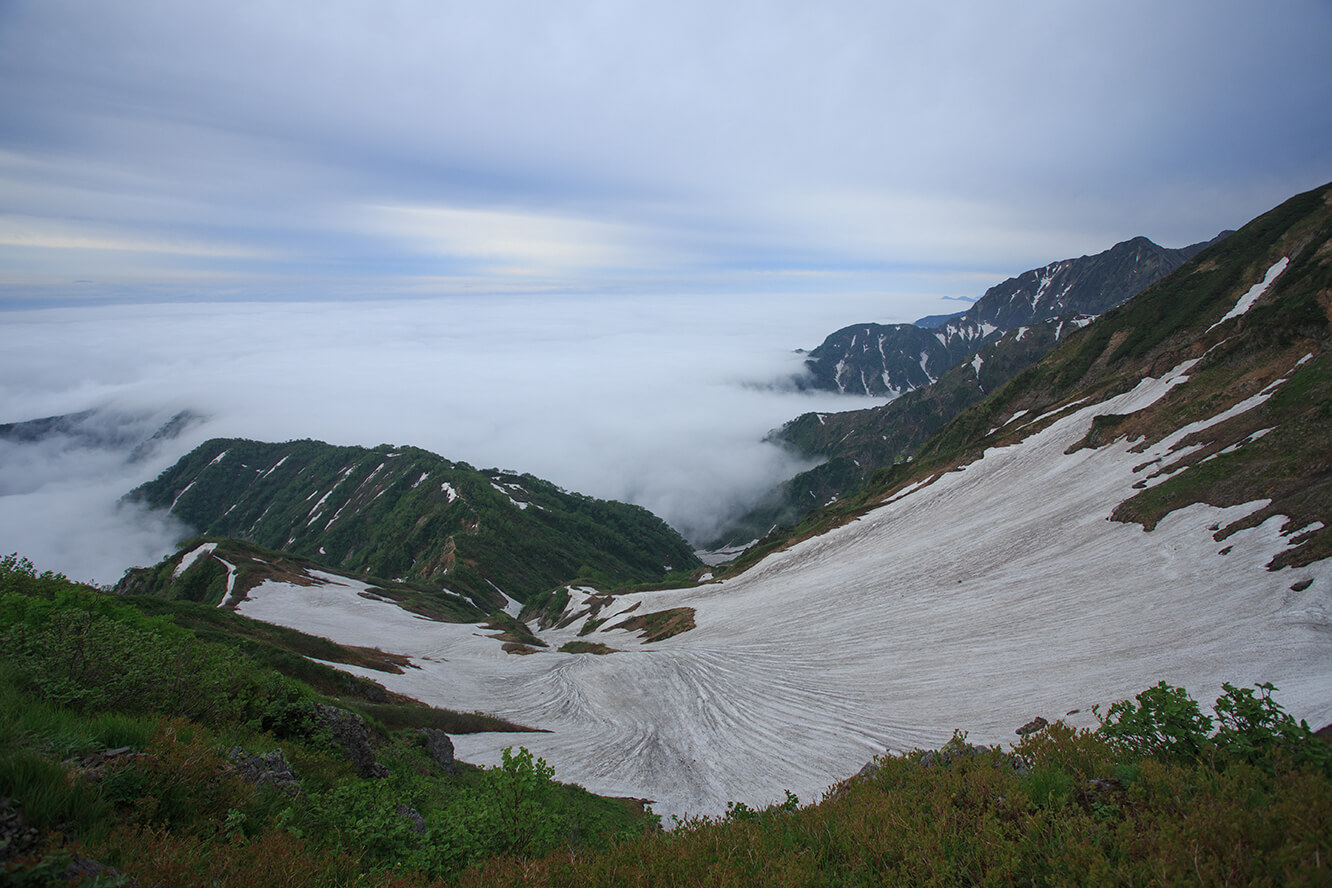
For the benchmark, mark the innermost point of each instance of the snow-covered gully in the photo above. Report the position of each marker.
(995, 594)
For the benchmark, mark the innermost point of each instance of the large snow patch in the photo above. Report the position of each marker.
(995, 594)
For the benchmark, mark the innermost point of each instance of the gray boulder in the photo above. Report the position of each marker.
(440, 749)
(351, 736)
(268, 769)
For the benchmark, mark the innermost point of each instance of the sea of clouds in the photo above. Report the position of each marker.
(662, 402)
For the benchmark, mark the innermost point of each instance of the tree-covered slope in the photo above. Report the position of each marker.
(405, 513)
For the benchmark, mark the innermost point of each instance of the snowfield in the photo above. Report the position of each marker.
(994, 594)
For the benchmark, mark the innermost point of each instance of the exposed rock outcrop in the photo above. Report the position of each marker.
(351, 736)
(440, 749)
(1031, 727)
(266, 769)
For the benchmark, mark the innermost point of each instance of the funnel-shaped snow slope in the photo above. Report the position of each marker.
(995, 594)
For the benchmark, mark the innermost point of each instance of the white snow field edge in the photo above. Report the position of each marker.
(996, 594)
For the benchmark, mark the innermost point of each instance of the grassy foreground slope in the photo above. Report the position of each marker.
(192, 756)
(134, 752)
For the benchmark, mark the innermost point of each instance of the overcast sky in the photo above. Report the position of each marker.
(576, 238)
(257, 150)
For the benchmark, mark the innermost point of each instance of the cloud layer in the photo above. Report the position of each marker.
(160, 151)
(662, 403)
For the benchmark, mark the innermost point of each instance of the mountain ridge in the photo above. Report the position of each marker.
(892, 359)
(1146, 335)
(403, 512)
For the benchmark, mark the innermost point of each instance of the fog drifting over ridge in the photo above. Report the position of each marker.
(661, 402)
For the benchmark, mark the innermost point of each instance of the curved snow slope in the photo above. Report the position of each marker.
(979, 601)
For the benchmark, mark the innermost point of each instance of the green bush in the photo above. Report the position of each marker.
(1256, 730)
(1167, 724)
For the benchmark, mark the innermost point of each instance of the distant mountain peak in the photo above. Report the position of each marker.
(892, 359)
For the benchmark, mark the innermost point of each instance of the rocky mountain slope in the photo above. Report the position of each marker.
(891, 359)
(1153, 500)
(408, 514)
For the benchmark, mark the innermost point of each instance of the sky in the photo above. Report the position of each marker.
(250, 150)
(578, 239)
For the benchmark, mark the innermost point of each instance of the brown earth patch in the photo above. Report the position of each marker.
(660, 625)
(516, 647)
(587, 647)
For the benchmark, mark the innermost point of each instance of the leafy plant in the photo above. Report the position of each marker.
(1165, 723)
(1256, 730)
(1252, 728)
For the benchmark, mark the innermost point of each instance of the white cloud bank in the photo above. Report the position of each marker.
(658, 402)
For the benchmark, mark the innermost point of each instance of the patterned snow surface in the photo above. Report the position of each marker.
(993, 595)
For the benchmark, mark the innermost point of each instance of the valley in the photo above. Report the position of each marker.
(976, 601)
(1140, 497)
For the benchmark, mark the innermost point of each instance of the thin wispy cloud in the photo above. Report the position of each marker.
(682, 140)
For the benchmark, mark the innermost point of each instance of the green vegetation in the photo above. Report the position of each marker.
(586, 647)
(1250, 804)
(123, 738)
(122, 733)
(659, 625)
(513, 630)
(404, 513)
(289, 651)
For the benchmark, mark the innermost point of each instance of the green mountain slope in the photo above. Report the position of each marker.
(1275, 450)
(1011, 327)
(150, 742)
(406, 513)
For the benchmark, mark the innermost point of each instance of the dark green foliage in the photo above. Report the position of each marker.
(407, 513)
(1165, 723)
(1251, 729)
(1064, 808)
(85, 673)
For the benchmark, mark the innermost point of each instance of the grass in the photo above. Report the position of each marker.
(586, 647)
(1160, 798)
(660, 625)
(96, 755)
(1083, 813)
